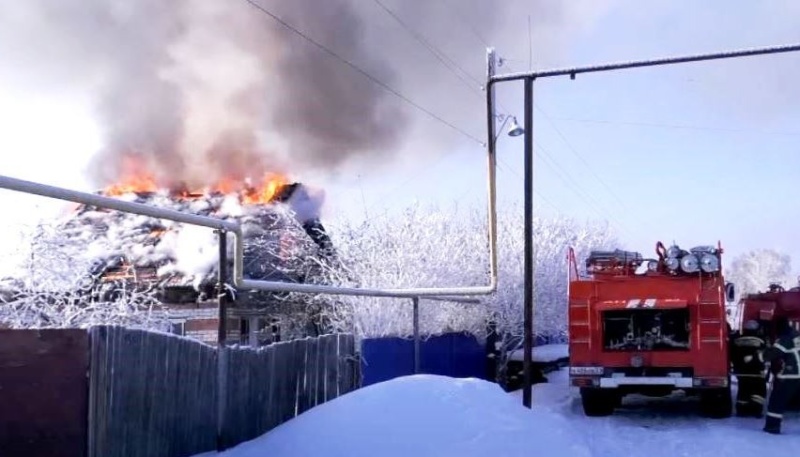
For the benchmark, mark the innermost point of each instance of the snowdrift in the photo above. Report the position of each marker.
(543, 354)
(418, 416)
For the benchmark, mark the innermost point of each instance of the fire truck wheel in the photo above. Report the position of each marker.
(598, 402)
(717, 403)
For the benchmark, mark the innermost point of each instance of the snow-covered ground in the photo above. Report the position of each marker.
(668, 427)
(543, 354)
(420, 416)
(438, 416)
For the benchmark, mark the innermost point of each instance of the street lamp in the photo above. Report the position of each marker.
(513, 130)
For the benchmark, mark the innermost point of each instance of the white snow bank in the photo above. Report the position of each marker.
(543, 354)
(418, 416)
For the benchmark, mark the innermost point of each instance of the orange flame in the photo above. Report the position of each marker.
(133, 184)
(226, 186)
(135, 179)
(138, 180)
(265, 191)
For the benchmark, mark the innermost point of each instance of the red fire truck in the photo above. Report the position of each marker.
(765, 307)
(649, 332)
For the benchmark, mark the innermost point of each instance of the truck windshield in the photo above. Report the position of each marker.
(642, 330)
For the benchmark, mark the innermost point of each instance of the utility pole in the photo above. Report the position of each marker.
(527, 345)
(491, 65)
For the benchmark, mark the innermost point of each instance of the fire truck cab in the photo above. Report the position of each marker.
(649, 332)
(766, 307)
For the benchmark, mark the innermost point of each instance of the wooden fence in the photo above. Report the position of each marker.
(154, 394)
(268, 386)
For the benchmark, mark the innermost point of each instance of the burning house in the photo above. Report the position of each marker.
(178, 264)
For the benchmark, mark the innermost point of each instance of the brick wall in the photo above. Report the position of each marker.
(205, 329)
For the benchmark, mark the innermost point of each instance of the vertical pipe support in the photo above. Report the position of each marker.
(252, 328)
(415, 303)
(491, 163)
(222, 337)
(222, 290)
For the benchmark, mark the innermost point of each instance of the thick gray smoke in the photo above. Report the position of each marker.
(197, 90)
(193, 91)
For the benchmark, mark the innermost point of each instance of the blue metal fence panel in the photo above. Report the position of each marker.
(454, 354)
(383, 359)
(436, 355)
(468, 357)
(458, 355)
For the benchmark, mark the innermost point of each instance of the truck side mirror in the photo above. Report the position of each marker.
(730, 292)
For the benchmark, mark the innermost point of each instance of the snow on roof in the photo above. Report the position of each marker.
(183, 255)
(418, 416)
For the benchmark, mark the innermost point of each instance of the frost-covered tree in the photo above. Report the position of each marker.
(55, 289)
(436, 247)
(448, 247)
(552, 239)
(418, 249)
(754, 271)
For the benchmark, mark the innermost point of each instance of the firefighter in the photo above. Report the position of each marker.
(784, 359)
(747, 354)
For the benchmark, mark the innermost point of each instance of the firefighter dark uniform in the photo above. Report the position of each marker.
(784, 358)
(747, 355)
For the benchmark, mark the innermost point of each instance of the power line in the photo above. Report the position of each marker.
(558, 131)
(455, 68)
(458, 71)
(580, 156)
(567, 180)
(449, 63)
(442, 57)
(563, 176)
(480, 38)
(676, 126)
(362, 71)
(439, 55)
(577, 154)
(620, 228)
(404, 184)
(573, 186)
(508, 168)
(369, 76)
(456, 9)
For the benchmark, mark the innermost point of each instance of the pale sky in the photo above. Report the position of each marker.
(695, 153)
